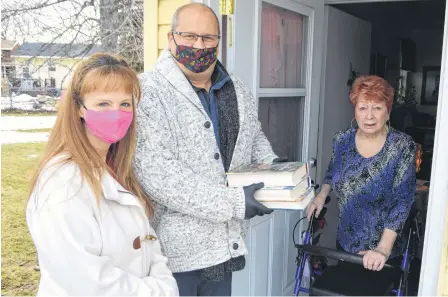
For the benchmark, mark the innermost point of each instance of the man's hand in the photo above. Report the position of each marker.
(253, 207)
(374, 259)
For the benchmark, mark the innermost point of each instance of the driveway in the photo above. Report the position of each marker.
(10, 124)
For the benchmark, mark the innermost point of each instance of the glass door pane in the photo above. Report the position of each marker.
(281, 119)
(281, 47)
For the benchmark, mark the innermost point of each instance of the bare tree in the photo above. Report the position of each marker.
(108, 23)
(113, 25)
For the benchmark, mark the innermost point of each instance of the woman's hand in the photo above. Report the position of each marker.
(374, 259)
(316, 205)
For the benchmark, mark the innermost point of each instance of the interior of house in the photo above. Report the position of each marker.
(400, 41)
(406, 50)
(405, 43)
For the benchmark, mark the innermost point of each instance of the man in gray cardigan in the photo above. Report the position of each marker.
(196, 122)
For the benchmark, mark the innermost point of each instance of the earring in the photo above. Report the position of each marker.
(351, 123)
(387, 126)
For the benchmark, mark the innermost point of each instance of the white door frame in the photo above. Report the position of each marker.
(306, 91)
(433, 264)
(431, 273)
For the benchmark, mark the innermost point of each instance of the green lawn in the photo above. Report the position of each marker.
(35, 130)
(18, 253)
(17, 112)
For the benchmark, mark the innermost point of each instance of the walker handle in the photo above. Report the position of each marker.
(334, 254)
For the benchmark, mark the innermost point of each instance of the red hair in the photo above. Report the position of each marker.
(372, 88)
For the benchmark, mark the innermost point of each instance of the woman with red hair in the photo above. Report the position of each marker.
(372, 172)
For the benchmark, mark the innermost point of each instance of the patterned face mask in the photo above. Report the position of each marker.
(196, 60)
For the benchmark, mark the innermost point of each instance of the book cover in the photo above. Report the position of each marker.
(267, 195)
(271, 174)
(295, 205)
(288, 193)
(303, 184)
(283, 167)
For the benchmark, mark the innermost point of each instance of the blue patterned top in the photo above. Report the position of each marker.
(373, 193)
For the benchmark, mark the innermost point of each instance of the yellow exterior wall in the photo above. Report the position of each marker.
(157, 23)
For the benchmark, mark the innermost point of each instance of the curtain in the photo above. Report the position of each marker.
(281, 67)
(281, 48)
(281, 121)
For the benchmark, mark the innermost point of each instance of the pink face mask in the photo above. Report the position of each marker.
(110, 125)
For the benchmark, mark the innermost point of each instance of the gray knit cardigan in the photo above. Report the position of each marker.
(199, 221)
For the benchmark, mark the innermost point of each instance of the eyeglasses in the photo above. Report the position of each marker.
(191, 38)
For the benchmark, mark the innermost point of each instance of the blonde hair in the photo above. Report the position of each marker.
(107, 73)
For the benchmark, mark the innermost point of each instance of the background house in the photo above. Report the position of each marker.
(42, 68)
(8, 66)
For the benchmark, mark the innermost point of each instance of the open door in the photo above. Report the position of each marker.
(275, 48)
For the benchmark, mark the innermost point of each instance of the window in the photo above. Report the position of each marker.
(25, 72)
(52, 67)
(10, 72)
(281, 120)
(281, 48)
(282, 87)
(50, 82)
(6, 55)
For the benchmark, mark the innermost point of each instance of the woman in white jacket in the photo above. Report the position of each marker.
(87, 213)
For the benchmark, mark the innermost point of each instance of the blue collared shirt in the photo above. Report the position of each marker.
(219, 78)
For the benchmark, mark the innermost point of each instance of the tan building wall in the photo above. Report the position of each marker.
(38, 68)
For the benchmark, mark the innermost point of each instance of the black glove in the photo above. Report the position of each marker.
(253, 207)
(280, 160)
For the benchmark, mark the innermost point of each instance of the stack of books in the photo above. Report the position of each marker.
(287, 185)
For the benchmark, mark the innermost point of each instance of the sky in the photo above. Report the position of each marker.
(46, 24)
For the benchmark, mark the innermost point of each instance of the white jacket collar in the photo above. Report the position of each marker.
(113, 190)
